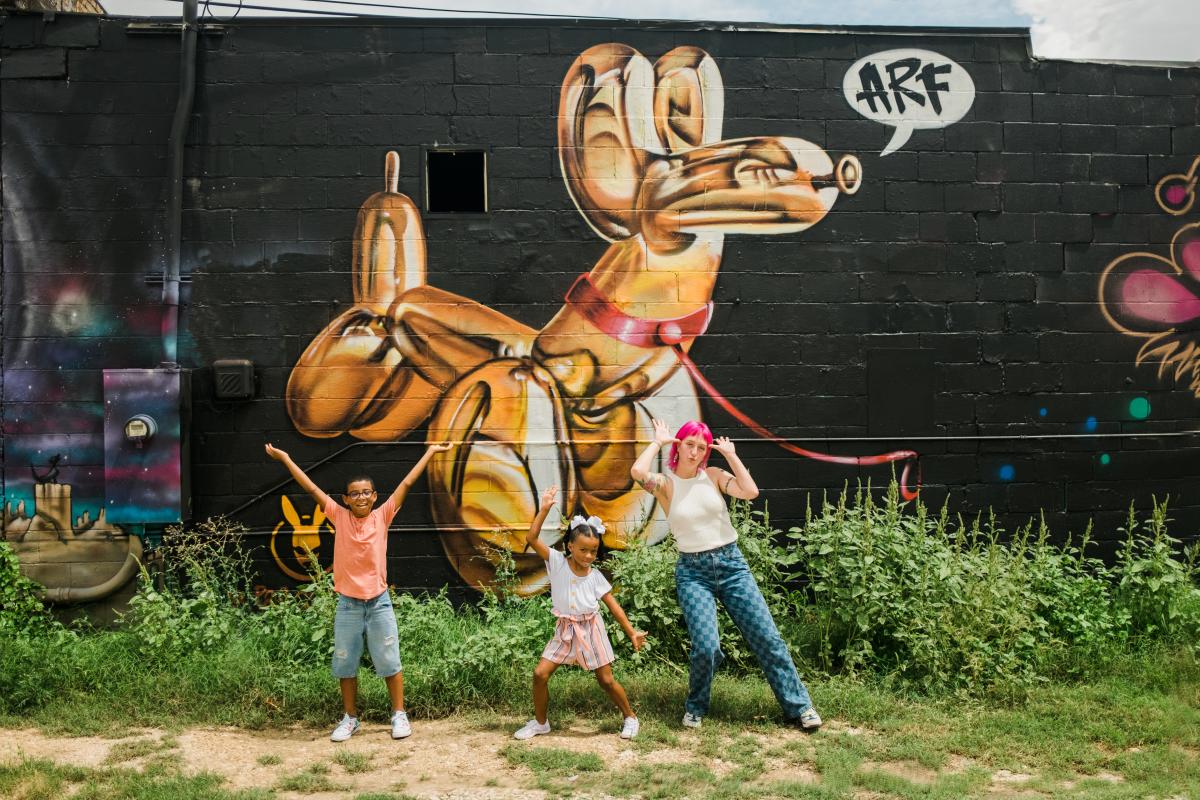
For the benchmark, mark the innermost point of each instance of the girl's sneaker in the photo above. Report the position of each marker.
(345, 729)
(630, 728)
(532, 728)
(691, 720)
(400, 727)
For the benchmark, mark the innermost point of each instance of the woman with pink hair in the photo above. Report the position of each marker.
(711, 567)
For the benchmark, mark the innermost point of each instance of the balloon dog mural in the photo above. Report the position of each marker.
(571, 404)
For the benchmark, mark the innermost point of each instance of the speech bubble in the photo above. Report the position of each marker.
(908, 89)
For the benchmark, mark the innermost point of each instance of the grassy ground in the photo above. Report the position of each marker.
(1131, 735)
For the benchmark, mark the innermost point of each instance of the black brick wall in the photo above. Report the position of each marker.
(980, 246)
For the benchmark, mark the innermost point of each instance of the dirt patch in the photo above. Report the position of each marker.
(439, 760)
(455, 758)
(1003, 776)
(910, 771)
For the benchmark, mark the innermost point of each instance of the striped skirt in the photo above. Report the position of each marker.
(580, 640)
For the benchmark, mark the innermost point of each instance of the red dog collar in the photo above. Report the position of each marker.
(637, 331)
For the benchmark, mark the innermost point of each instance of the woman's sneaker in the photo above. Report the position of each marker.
(345, 729)
(532, 728)
(810, 720)
(400, 727)
(691, 720)
(630, 728)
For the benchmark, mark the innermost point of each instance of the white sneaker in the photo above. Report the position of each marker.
(810, 720)
(630, 728)
(345, 729)
(691, 720)
(400, 727)
(532, 728)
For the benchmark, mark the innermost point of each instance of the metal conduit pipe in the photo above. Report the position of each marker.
(175, 151)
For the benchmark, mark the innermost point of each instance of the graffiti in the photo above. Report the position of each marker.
(1158, 299)
(306, 537)
(77, 559)
(908, 89)
(1176, 192)
(51, 473)
(571, 404)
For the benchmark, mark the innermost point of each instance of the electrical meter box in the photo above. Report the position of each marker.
(147, 418)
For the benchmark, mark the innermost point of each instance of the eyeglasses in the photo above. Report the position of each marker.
(360, 493)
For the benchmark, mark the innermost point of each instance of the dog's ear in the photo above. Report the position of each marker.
(606, 135)
(689, 99)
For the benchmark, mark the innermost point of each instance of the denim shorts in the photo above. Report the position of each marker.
(376, 620)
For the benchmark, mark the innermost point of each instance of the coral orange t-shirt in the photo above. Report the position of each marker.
(360, 549)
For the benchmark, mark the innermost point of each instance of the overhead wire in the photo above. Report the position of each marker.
(397, 7)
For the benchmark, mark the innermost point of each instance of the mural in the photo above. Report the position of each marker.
(952, 250)
(298, 538)
(1175, 193)
(571, 404)
(1157, 298)
(77, 559)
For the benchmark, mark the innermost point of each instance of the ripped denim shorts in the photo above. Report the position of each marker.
(374, 618)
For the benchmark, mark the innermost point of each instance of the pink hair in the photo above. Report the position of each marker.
(692, 427)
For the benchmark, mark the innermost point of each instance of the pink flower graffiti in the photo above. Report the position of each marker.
(1158, 299)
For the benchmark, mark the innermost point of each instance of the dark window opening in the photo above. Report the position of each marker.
(456, 181)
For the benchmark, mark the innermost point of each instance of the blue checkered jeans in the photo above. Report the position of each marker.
(722, 574)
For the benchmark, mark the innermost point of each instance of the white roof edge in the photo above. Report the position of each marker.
(1124, 62)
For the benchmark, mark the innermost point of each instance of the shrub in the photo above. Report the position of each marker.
(1156, 590)
(942, 604)
(22, 611)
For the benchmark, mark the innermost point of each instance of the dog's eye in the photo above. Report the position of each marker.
(763, 174)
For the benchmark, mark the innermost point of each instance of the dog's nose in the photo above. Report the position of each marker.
(848, 174)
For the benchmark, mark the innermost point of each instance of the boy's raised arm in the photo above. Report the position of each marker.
(535, 527)
(299, 475)
(401, 490)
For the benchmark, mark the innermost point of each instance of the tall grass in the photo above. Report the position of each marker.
(865, 591)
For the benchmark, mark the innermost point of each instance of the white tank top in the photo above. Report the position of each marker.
(698, 517)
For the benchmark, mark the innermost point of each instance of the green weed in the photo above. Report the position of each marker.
(313, 779)
(37, 779)
(551, 760)
(352, 762)
(138, 748)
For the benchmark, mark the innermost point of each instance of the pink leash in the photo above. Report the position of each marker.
(610, 319)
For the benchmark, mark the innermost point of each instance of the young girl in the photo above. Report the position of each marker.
(579, 634)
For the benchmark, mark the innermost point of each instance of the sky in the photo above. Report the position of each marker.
(1092, 30)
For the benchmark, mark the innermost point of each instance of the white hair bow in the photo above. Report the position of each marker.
(592, 522)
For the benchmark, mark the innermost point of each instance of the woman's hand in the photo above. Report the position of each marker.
(638, 639)
(724, 446)
(662, 434)
(440, 447)
(548, 498)
(275, 453)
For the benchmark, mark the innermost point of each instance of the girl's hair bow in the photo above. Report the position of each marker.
(592, 522)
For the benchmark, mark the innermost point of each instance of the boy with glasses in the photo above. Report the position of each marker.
(360, 579)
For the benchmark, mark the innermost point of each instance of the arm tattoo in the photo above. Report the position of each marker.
(652, 483)
(728, 481)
